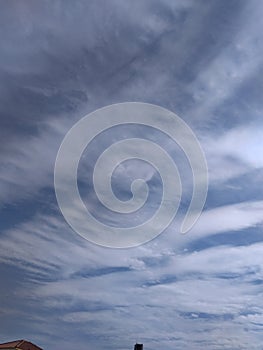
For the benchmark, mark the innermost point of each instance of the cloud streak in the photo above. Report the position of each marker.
(59, 62)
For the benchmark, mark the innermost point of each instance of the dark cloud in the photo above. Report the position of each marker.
(57, 58)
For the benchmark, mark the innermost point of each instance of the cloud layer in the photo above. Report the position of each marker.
(200, 59)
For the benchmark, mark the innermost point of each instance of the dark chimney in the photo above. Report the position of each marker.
(138, 346)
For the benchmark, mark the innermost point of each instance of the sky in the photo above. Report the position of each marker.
(200, 59)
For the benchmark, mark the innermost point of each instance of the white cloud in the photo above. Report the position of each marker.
(211, 298)
(159, 285)
(234, 153)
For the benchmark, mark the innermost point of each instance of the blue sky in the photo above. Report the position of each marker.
(200, 59)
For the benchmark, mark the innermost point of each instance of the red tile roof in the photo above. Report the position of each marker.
(19, 344)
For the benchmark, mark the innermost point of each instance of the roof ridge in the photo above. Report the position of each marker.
(13, 341)
(20, 342)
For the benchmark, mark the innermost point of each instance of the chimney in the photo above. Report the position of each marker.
(138, 346)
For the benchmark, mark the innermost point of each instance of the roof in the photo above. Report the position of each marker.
(19, 344)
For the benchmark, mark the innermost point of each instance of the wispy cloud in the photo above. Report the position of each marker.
(79, 284)
(201, 60)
